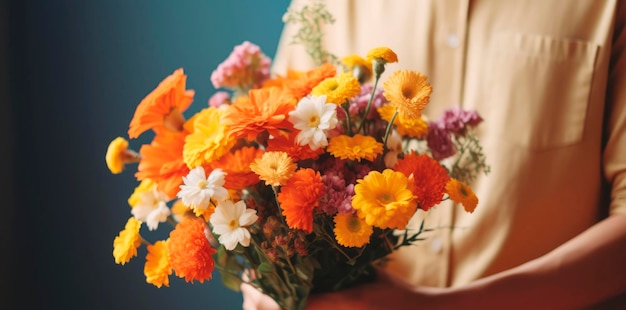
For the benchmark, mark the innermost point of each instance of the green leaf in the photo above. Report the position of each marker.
(231, 281)
(265, 267)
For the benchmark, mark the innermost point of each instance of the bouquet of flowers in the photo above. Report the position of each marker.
(297, 183)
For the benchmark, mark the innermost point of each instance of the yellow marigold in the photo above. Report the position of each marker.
(338, 89)
(411, 127)
(352, 231)
(144, 186)
(126, 243)
(157, 267)
(119, 155)
(275, 168)
(461, 193)
(384, 199)
(382, 53)
(209, 139)
(409, 92)
(355, 148)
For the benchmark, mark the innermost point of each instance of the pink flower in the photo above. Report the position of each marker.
(338, 197)
(439, 141)
(457, 120)
(245, 68)
(219, 98)
(359, 103)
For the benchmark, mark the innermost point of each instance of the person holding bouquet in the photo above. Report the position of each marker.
(549, 79)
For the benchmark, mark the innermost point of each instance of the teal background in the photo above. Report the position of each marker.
(72, 75)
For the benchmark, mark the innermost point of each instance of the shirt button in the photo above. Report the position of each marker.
(436, 244)
(453, 40)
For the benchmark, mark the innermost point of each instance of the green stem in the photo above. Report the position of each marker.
(369, 104)
(387, 132)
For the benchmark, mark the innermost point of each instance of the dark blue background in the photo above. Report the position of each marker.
(72, 75)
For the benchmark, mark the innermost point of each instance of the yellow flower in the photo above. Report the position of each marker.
(351, 231)
(382, 53)
(157, 267)
(355, 148)
(126, 243)
(412, 127)
(209, 139)
(275, 168)
(338, 89)
(384, 199)
(409, 92)
(119, 155)
(360, 67)
(144, 186)
(461, 193)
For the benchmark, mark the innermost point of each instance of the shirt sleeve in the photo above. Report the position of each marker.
(615, 129)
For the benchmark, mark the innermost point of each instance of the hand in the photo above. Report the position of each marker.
(253, 299)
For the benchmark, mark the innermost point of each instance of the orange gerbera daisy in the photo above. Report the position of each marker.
(163, 107)
(162, 162)
(412, 127)
(461, 193)
(158, 268)
(236, 165)
(427, 176)
(299, 197)
(302, 86)
(191, 254)
(287, 144)
(409, 92)
(267, 111)
(355, 148)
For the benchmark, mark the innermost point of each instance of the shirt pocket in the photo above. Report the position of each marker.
(542, 85)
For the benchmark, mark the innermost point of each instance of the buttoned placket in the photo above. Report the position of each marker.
(456, 38)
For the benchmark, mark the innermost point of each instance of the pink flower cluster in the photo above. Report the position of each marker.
(359, 103)
(453, 121)
(245, 68)
(335, 175)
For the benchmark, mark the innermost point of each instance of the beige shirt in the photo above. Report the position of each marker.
(549, 79)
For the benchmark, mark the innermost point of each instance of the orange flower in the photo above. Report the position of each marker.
(268, 110)
(299, 197)
(412, 127)
(190, 250)
(163, 107)
(157, 268)
(428, 178)
(408, 91)
(303, 85)
(287, 144)
(355, 148)
(461, 193)
(237, 167)
(162, 161)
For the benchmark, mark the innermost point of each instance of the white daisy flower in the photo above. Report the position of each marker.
(229, 222)
(152, 208)
(197, 190)
(314, 118)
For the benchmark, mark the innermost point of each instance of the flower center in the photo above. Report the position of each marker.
(202, 184)
(314, 121)
(233, 224)
(463, 191)
(408, 92)
(354, 225)
(386, 198)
